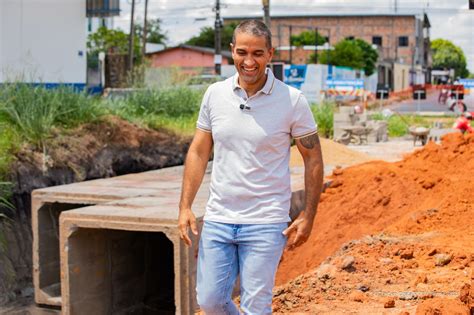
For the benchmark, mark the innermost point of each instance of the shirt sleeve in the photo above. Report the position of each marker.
(204, 118)
(303, 123)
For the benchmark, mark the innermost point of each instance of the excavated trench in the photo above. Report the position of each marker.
(92, 151)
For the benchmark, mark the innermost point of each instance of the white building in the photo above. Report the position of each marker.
(44, 41)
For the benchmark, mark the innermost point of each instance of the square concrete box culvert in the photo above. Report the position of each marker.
(47, 277)
(120, 272)
(126, 257)
(48, 203)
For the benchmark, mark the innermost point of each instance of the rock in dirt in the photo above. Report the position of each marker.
(363, 287)
(358, 296)
(443, 259)
(389, 302)
(408, 296)
(467, 295)
(347, 263)
(420, 279)
(326, 272)
(406, 254)
(337, 171)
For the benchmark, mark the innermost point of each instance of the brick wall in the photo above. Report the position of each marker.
(338, 28)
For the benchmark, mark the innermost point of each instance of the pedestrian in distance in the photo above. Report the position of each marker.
(249, 120)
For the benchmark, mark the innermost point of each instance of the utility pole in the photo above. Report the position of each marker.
(130, 38)
(289, 42)
(144, 30)
(266, 12)
(217, 39)
(316, 46)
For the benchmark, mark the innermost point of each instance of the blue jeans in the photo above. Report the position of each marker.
(226, 250)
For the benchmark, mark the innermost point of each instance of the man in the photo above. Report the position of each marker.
(463, 123)
(249, 119)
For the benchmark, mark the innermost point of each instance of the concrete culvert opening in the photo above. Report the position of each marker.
(48, 247)
(120, 272)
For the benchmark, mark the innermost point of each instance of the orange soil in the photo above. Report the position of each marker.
(333, 153)
(423, 203)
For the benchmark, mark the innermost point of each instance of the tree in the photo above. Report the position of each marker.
(370, 56)
(446, 55)
(206, 37)
(154, 32)
(105, 39)
(307, 38)
(354, 53)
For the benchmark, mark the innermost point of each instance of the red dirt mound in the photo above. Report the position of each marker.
(427, 197)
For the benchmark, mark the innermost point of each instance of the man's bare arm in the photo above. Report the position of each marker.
(194, 170)
(310, 149)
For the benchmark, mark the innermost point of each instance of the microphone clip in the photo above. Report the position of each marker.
(243, 106)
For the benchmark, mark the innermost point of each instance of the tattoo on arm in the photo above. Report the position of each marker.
(310, 141)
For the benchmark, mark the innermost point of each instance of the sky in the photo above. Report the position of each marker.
(182, 19)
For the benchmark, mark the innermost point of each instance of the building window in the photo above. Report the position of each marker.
(350, 37)
(403, 41)
(377, 40)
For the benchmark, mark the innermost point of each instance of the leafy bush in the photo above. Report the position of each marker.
(324, 117)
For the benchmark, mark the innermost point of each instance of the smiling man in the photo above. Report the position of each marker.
(250, 120)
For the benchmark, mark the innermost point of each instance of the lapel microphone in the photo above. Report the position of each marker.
(243, 106)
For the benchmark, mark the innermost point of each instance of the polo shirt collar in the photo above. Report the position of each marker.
(267, 88)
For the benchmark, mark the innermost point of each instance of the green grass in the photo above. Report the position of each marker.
(171, 102)
(8, 145)
(324, 116)
(30, 114)
(398, 124)
(185, 125)
(35, 111)
(174, 108)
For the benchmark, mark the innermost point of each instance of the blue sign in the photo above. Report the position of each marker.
(295, 75)
(468, 83)
(347, 84)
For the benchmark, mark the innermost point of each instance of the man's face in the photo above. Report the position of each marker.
(251, 55)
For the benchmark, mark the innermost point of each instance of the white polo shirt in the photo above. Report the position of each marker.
(250, 180)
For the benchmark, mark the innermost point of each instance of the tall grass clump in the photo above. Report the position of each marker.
(8, 143)
(35, 111)
(173, 108)
(324, 116)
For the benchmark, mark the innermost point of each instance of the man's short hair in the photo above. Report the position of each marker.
(256, 28)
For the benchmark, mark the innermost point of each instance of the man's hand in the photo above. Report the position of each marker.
(194, 169)
(186, 219)
(310, 150)
(302, 226)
